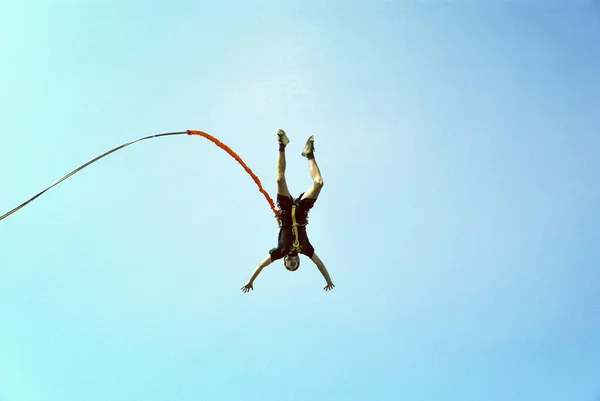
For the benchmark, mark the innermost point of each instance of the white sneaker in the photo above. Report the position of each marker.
(282, 137)
(309, 147)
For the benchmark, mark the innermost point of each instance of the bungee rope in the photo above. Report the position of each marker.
(188, 132)
(240, 161)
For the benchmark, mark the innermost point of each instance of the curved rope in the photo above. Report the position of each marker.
(240, 161)
(201, 133)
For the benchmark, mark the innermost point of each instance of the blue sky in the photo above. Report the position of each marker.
(458, 143)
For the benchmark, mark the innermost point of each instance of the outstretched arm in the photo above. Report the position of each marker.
(324, 272)
(249, 286)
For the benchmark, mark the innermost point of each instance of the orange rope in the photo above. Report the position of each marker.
(240, 161)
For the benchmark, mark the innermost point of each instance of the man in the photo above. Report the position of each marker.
(293, 218)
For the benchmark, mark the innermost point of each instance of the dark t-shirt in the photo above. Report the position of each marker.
(286, 233)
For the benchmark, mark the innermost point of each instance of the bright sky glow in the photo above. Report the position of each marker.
(459, 144)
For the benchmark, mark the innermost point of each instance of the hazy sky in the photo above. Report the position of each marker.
(459, 145)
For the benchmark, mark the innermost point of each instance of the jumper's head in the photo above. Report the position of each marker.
(291, 262)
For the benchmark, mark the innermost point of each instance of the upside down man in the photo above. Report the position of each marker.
(293, 218)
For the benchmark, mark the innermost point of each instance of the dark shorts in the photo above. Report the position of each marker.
(286, 240)
(285, 202)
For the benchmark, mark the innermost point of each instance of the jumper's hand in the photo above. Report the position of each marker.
(329, 287)
(247, 287)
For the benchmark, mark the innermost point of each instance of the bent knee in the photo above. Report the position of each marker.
(318, 183)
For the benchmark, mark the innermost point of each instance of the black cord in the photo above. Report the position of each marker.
(87, 164)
